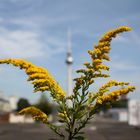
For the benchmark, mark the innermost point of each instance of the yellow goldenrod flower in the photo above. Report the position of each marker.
(97, 51)
(33, 70)
(110, 84)
(109, 35)
(81, 71)
(97, 61)
(90, 52)
(101, 75)
(112, 96)
(41, 88)
(90, 70)
(101, 66)
(42, 79)
(99, 101)
(36, 114)
(36, 76)
(98, 54)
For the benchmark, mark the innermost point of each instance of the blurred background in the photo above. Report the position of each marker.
(57, 34)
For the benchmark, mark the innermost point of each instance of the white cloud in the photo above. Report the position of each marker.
(56, 44)
(26, 42)
(19, 43)
(123, 65)
(24, 22)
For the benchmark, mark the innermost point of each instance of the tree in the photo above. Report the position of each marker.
(44, 105)
(22, 103)
(120, 104)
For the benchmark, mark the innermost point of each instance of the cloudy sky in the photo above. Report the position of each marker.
(37, 31)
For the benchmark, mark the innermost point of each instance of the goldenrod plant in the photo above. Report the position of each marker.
(85, 103)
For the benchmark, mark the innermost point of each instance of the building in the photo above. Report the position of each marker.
(13, 102)
(134, 112)
(118, 114)
(4, 106)
(4, 110)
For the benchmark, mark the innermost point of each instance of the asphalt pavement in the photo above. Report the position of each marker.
(100, 129)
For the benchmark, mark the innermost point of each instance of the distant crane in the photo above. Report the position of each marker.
(69, 61)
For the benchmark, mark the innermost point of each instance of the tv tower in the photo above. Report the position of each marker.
(69, 61)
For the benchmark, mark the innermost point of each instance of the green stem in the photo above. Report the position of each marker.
(80, 127)
(70, 136)
(54, 128)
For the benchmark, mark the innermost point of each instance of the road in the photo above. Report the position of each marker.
(95, 130)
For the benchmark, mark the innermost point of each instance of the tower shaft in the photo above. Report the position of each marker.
(69, 61)
(69, 71)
